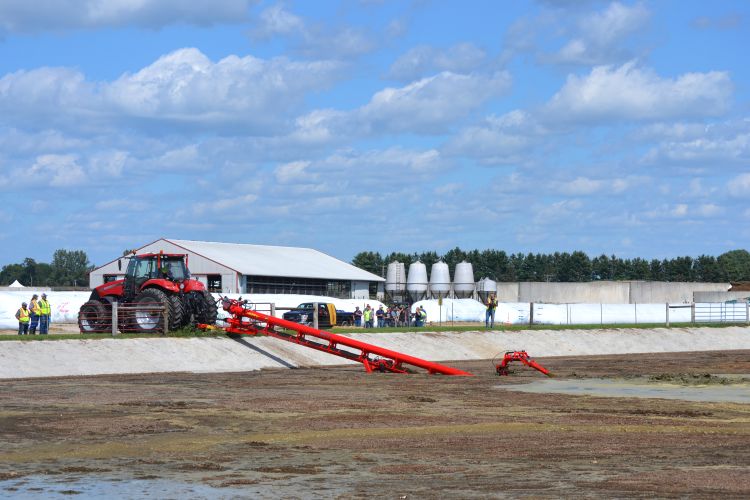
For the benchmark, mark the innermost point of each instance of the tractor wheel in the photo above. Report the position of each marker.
(179, 316)
(148, 311)
(208, 310)
(93, 318)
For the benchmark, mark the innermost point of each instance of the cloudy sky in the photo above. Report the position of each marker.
(538, 126)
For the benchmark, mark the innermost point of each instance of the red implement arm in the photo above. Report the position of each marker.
(523, 357)
(245, 321)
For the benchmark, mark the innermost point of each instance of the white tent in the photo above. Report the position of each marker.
(16, 284)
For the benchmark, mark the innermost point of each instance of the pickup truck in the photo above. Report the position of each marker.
(328, 315)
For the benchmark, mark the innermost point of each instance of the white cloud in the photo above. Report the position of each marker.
(433, 103)
(709, 210)
(183, 86)
(727, 150)
(545, 214)
(577, 35)
(316, 40)
(294, 172)
(276, 20)
(586, 186)
(740, 186)
(631, 93)
(581, 186)
(679, 210)
(424, 60)
(21, 16)
(600, 33)
(57, 171)
(499, 140)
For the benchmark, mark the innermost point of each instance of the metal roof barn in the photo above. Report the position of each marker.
(246, 268)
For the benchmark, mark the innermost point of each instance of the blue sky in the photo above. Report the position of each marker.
(541, 126)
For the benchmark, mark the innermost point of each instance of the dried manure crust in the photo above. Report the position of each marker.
(331, 432)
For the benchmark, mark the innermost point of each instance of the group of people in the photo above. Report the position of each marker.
(34, 314)
(393, 316)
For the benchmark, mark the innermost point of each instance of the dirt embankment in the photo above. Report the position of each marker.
(340, 432)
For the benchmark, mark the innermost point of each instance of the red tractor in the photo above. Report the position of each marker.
(154, 283)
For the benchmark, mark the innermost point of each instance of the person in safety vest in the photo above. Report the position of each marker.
(23, 315)
(44, 315)
(367, 316)
(34, 308)
(489, 317)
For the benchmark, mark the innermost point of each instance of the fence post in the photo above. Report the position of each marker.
(273, 308)
(114, 318)
(166, 320)
(667, 314)
(747, 312)
(315, 315)
(692, 313)
(635, 309)
(531, 313)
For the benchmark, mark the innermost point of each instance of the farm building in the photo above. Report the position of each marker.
(245, 268)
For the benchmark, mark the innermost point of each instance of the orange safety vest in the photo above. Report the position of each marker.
(23, 315)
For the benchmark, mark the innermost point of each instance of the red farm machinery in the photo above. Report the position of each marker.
(244, 320)
(157, 293)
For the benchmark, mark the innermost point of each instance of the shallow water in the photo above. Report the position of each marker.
(98, 487)
(638, 388)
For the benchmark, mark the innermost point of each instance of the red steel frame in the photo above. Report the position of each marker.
(245, 321)
(523, 357)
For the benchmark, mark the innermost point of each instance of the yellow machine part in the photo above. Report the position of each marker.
(332, 313)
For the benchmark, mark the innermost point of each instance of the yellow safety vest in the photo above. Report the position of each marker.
(34, 307)
(23, 315)
(44, 308)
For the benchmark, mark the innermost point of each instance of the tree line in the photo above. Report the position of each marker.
(577, 266)
(69, 268)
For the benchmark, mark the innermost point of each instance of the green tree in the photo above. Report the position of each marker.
(639, 269)
(453, 257)
(706, 269)
(735, 265)
(11, 273)
(70, 268)
(428, 258)
(370, 261)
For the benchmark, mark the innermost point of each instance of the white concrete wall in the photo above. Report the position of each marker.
(507, 292)
(720, 296)
(654, 292)
(606, 292)
(109, 356)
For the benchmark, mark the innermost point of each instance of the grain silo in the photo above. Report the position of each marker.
(485, 287)
(463, 280)
(440, 280)
(416, 282)
(395, 281)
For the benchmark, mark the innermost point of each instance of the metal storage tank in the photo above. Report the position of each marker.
(463, 280)
(395, 281)
(416, 282)
(440, 280)
(395, 278)
(485, 287)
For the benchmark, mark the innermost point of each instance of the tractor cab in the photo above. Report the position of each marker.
(154, 266)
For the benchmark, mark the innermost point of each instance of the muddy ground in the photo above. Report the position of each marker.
(339, 432)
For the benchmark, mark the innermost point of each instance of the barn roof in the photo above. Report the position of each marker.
(266, 260)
